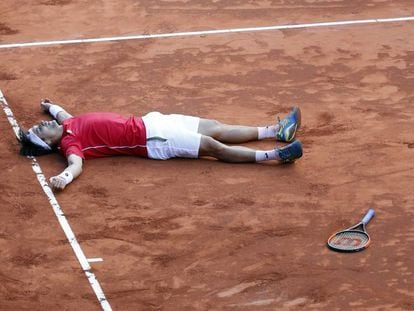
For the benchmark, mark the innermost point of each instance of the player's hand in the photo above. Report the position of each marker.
(57, 182)
(45, 105)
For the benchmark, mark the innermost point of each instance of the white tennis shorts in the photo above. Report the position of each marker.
(171, 136)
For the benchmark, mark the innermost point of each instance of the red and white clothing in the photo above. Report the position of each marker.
(155, 135)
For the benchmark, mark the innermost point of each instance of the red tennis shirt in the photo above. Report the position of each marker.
(101, 134)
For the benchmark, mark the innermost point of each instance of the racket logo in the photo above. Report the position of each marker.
(348, 242)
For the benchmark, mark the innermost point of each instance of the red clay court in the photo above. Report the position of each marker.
(200, 234)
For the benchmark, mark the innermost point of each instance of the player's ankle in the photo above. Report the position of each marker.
(267, 155)
(267, 131)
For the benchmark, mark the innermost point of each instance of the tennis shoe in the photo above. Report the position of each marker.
(291, 152)
(289, 125)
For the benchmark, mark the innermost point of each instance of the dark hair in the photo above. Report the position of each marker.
(27, 148)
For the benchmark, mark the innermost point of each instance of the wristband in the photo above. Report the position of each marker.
(54, 110)
(67, 176)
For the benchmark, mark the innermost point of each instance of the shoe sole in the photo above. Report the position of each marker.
(299, 114)
(296, 110)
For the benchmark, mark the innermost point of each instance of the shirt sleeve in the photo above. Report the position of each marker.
(71, 145)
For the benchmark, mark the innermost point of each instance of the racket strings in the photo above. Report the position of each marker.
(349, 240)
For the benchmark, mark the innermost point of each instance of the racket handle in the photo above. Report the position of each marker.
(368, 216)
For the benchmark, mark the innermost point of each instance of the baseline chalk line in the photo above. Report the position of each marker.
(96, 287)
(208, 32)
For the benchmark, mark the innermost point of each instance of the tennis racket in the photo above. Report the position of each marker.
(353, 239)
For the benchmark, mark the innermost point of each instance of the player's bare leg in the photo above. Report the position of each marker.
(282, 130)
(232, 134)
(211, 147)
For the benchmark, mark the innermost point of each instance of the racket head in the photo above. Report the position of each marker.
(350, 240)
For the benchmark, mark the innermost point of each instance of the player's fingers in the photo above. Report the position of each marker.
(61, 183)
(58, 183)
(54, 182)
(43, 107)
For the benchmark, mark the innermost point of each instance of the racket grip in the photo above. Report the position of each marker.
(368, 216)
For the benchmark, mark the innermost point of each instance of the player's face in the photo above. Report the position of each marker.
(48, 131)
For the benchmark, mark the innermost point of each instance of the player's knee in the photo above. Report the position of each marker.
(215, 124)
(211, 147)
(217, 128)
(212, 128)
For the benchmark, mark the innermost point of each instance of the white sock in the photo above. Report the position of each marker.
(267, 155)
(267, 131)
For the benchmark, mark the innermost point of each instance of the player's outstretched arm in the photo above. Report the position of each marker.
(73, 170)
(57, 112)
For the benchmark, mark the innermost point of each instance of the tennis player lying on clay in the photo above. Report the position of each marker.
(155, 136)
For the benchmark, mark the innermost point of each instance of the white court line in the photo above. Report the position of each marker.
(95, 259)
(208, 32)
(59, 214)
